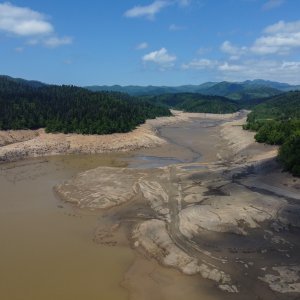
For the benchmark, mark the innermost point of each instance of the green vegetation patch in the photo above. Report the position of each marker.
(193, 102)
(277, 122)
(71, 109)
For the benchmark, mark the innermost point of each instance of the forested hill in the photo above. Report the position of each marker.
(283, 106)
(193, 102)
(8, 83)
(241, 91)
(277, 122)
(246, 90)
(29, 105)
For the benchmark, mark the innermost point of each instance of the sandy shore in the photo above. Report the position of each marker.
(21, 144)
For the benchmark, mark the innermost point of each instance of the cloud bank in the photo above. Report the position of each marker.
(27, 23)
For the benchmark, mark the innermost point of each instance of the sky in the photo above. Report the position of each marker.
(150, 42)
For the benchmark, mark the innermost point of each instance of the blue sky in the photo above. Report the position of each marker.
(143, 42)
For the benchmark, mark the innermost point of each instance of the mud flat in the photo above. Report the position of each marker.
(16, 145)
(228, 219)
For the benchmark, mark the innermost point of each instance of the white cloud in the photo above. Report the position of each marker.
(203, 50)
(234, 51)
(34, 26)
(283, 27)
(200, 64)
(272, 4)
(174, 27)
(227, 47)
(229, 67)
(279, 38)
(148, 11)
(284, 71)
(23, 21)
(151, 10)
(291, 65)
(54, 42)
(142, 46)
(160, 57)
(184, 2)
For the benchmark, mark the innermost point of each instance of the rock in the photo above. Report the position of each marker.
(243, 209)
(99, 188)
(287, 280)
(228, 288)
(156, 195)
(152, 235)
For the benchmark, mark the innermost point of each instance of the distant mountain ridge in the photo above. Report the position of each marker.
(20, 81)
(246, 90)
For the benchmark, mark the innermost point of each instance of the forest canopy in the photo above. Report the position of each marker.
(193, 102)
(277, 122)
(70, 109)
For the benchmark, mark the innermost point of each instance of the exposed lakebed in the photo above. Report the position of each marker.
(52, 249)
(48, 248)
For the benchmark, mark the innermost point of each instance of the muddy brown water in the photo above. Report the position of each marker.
(47, 249)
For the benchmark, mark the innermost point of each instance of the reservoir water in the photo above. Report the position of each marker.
(47, 248)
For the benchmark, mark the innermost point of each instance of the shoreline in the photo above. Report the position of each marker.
(217, 226)
(21, 144)
(216, 219)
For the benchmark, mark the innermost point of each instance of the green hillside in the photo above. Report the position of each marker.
(241, 91)
(283, 106)
(150, 90)
(193, 102)
(71, 109)
(277, 122)
(246, 90)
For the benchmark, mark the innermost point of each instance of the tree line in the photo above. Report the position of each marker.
(194, 102)
(277, 122)
(71, 109)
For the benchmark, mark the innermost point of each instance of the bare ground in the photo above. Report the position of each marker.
(234, 221)
(15, 145)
